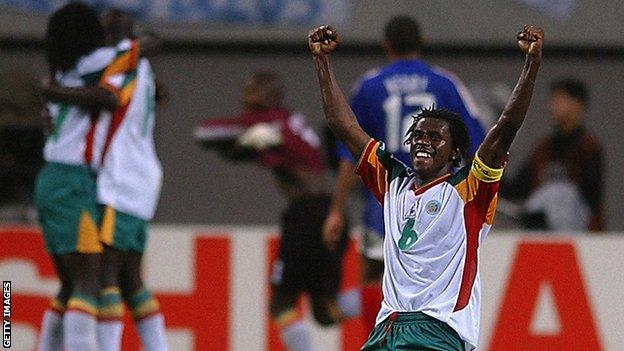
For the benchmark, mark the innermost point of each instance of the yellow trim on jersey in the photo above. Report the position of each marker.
(88, 236)
(125, 62)
(126, 93)
(484, 172)
(467, 188)
(107, 230)
(489, 217)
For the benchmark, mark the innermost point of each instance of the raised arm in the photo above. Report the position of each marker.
(340, 118)
(493, 150)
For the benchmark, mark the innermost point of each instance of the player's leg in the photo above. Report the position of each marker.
(111, 307)
(294, 332)
(148, 318)
(65, 200)
(328, 305)
(51, 335)
(80, 319)
(372, 263)
(291, 274)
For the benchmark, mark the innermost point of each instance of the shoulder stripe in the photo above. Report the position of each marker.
(372, 171)
(372, 145)
(459, 176)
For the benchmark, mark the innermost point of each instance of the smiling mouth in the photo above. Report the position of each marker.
(422, 155)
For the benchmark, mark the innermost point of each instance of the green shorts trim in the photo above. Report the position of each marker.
(122, 231)
(413, 331)
(65, 198)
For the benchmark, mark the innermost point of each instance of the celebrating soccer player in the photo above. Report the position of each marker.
(434, 219)
(384, 101)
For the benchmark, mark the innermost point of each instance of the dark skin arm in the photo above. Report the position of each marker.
(335, 221)
(90, 98)
(493, 150)
(340, 118)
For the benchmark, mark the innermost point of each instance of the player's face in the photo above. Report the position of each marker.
(431, 148)
(564, 109)
(116, 24)
(256, 96)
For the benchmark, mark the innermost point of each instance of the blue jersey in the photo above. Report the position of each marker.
(384, 102)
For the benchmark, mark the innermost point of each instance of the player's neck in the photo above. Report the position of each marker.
(392, 57)
(429, 183)
(429, 178)
(570, 126)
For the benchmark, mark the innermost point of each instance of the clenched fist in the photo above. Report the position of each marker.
(322, 40)
(530, 41)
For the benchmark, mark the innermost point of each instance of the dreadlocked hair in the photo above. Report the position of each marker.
(459, 131)
(73, 31)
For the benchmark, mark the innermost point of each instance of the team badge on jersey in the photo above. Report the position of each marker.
(432, 207)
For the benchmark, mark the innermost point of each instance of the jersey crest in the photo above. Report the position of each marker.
(432, 207)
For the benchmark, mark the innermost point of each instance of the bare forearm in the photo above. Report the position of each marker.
(342, 189)
(515, 111)
(338, 113)
(91, 98)
(493, 150)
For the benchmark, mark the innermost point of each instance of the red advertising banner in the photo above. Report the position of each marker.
(213, 286)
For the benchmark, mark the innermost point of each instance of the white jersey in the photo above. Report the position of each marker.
(432, 238)
(73, 135)
(131, 175)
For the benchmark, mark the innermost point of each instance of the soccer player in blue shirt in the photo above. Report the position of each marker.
(384, 101)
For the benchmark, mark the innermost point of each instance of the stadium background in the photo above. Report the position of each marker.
(206, 59)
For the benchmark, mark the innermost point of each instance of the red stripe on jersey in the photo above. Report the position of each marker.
(89, 139)
(117, 118)
(475, 213)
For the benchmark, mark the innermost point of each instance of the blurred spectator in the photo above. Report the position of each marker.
(562, 182)
(282, 140)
